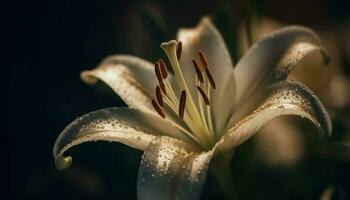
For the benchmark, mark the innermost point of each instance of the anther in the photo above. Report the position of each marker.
(159, 96)
(162, 87)
(157, 71)
(198, 71)
(203, 59)
(179, 50)
(210, 78)
(182, 104)
(158, 109)
(204, 96)
(163, 68)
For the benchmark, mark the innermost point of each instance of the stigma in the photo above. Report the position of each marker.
(192, 107)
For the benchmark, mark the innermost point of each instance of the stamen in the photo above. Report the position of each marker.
(158, 109)
(198, 71)
(170, 50)
(159, 96)
(182, 104)
(205, 97)
(179, 50)
(162, 87)
(157, 71)
(210, 78)
(203, 59)
(163, 68)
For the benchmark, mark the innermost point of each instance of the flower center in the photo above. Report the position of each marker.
(195, 113)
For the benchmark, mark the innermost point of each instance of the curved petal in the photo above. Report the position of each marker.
(271, 59)
(132, 78)
(287, 98)
(207, 38)
(128, 126)
(170, 169)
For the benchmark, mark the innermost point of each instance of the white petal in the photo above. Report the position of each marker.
(287, 98)
(170, 169)
(207, 38)
(128, 126)
(272, 58)
(132, 78)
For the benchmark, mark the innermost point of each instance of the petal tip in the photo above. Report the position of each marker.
(206, 20)
(87, 78)
(63, 163)
(185, 32)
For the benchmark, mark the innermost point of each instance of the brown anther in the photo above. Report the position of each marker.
(159, 96)
(179, 50)
(158, 109)
(163, 68)
(204, 96)
(198, 71)
(210, 78)
(162, 87)
(203, 59)
(157, 71)
(182, 104)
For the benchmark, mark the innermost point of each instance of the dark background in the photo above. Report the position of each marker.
(51, 42)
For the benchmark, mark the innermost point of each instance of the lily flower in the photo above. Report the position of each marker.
(196, 107)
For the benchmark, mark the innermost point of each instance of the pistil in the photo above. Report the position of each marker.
(170, 49)
(199, 122)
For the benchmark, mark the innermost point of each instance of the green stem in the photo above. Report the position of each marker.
(221, 169)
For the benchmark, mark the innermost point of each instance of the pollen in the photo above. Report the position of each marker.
(162, 87)
(203, 59)
(179, 50)
(204, 96)
(157, 71)
(158, 109)
(174, 96)
(163, 68)
(210, 78)
(159, 96)
(182, 104)
(198, 71)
